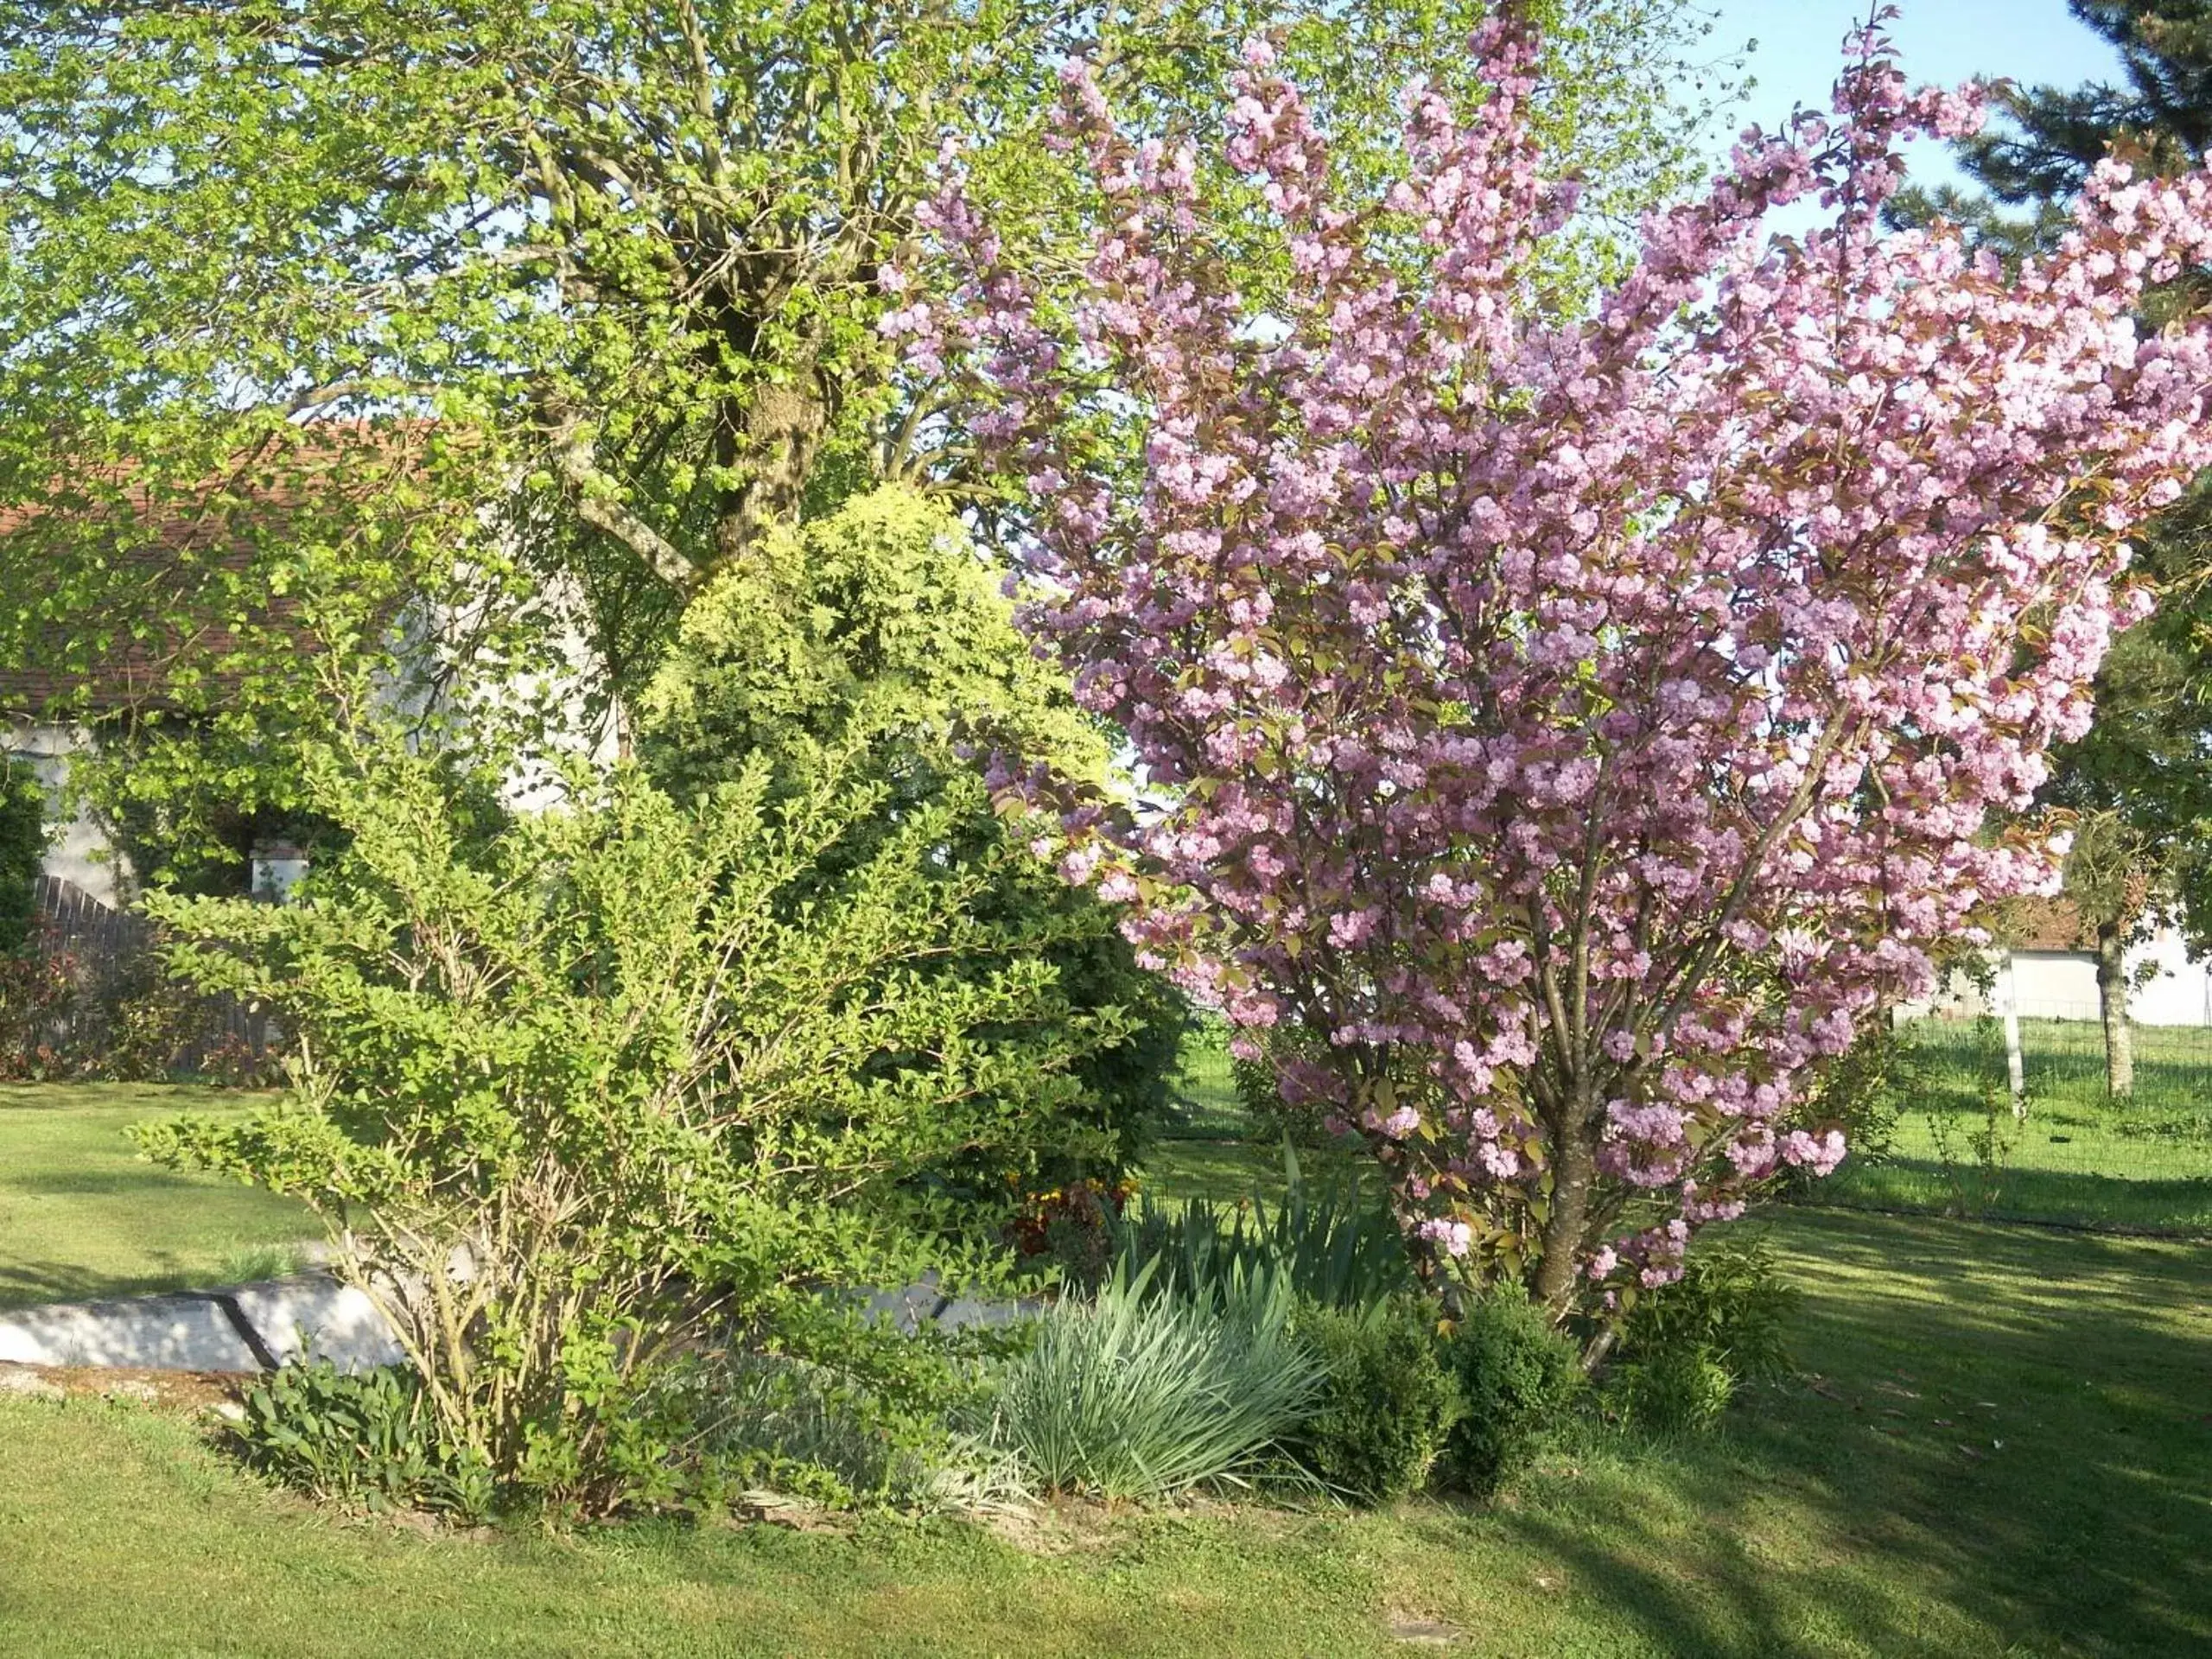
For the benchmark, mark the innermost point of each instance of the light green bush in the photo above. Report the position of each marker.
(885, 617)
(1732, 1302)
(1679, 1390)
(579, 1089)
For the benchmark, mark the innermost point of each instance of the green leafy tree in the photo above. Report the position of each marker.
(23, 835)
(2159, 114)
(2141, 780)
(884, 617)
(627, 254)
(579, 1089)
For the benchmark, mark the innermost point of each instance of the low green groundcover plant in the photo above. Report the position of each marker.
(843, 1435)
(364, 1438)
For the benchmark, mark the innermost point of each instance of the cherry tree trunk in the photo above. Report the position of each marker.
(1574, 1172)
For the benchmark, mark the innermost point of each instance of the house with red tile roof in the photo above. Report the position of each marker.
(204, 553)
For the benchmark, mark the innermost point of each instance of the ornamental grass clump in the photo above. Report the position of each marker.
(1127, 1394)
(1329, 1241)
(1583, 723)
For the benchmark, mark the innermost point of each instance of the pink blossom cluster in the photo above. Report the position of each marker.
(1583, 725)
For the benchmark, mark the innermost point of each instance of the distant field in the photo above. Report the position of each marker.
(2077, 1158)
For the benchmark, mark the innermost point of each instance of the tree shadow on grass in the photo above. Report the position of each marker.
(2179, 1205)
(2014, 1427)
(138, 1181)
(27, 1284)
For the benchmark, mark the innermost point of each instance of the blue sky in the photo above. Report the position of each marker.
(1800, 50)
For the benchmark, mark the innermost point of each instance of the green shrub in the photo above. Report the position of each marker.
(365, 1438)
(23, 837)
(650, 1074)
(1686, 1347)
(1517, 1377)
(121, 1020)
(1731, 1303)
(1331, 1243)
(40, 994)
(1679, 1390)
(1130, 1394)
(884, 617)
(1386, 1404)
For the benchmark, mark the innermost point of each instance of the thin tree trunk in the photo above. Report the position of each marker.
(2112, 1004)
(1574, 1171)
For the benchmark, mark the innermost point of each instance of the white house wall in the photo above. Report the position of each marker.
(2168, 988)
(2054, 984)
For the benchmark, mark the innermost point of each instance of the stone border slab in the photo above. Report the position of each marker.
(237, 1328)
(314, 1317)
(259, 1326)
(163, 1334)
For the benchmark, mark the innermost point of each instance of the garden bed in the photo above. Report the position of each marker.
(2000, 1441)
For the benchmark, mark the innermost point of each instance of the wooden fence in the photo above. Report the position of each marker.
(73, 923)
(112, 953)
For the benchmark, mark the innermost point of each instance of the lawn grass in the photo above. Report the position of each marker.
(2002, 1444)
(82, 1215)
(2077, 1157)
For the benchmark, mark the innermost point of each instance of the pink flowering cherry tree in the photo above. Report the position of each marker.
(1579, 726)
